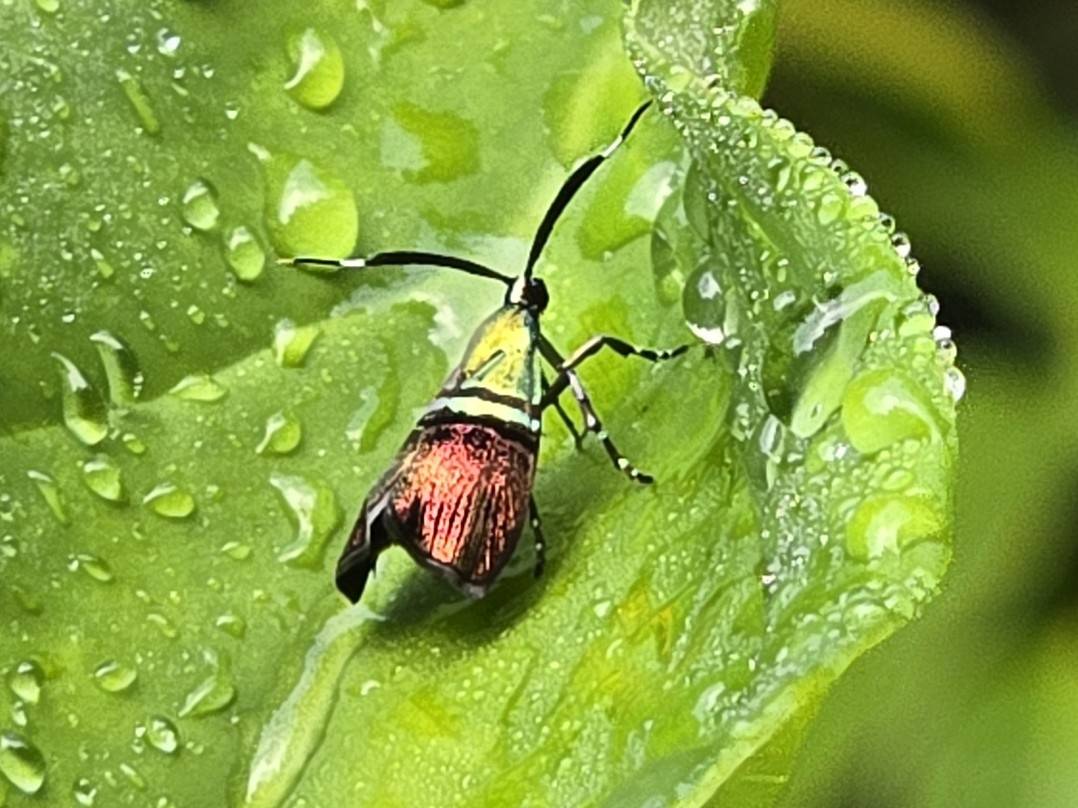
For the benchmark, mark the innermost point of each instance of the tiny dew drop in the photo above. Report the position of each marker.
(292, 342)
(48, 6)
(212, 694)
(114, 677)
(318, 69)
(199, 387)
(237, 551)
(312, 508)
(133, 444)
(309, 211)
(200, 208)
(244, 254)
(954, 381)
(282, 436)
(103, 477)
(50, 492)
(91, 565)
(21, 763)
(231, 624)
(83, 411)
(121, 367)
(140, 102)
(26, 681)
(162, 735)
(169, 500)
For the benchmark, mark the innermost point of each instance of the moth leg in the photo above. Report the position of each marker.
(540, 542)
(596, 344)
(578, 438)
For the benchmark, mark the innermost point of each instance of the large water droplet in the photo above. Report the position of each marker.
(50, 492)
(308, 210)
(292, 342)
(103, 477)
(244, 254)
(319, 69)
(114, 677)
(169, 500)
(200, 208)
(26, 681)
(212, 694)
(883, 407)
(283, 434)
(83, 411)
(199, 387)
(140, 102)
(121, 368)
(21, 763)
(312, 507)
(887, 523)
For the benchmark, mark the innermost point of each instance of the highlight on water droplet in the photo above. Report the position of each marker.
(104, 478)
(244, 254)
(312, 509)
(309, 211)
(21, 762)
(292, 342)
(122, 370)
(48, 6)
(199, 387)
(200, 208)
(83, 410)
(91, 565)
(161, 734)
(113, 676)
(231, 624)
(84, 792)
(882, 407)
(888, 523)
(26, 680)
(318, 69)
(169, 500)
(50, 492)
(212, 694)
(282, 435)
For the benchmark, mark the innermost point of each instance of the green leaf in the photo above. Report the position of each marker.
(172, 628)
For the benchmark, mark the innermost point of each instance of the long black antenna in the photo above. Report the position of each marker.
(400, 258)
(573, 184)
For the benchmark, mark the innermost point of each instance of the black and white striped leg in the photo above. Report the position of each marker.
(619, 346)
(537, 532)
(578, 438)
(595, 426)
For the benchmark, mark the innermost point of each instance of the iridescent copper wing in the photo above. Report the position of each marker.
(457, 500)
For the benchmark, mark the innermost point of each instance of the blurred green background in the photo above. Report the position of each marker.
(962, 117)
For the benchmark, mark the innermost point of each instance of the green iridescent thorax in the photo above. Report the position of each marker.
(499, 375)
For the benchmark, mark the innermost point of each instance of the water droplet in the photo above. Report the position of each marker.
(103, 477)
(244, 254)
(212, 694)
(84, 791)
(21, 763)
(954, 381)
(291, 342)
(163, 624)
(318, 69)
(199, 387)
(236, 550)
(312, 507)
(133, 777)
(114, 677)
(50, 492)
(162, 735)
(887, 523)
(140, 102)
(232, 624)
(169, 500)
(133, 444)
(282, 436)
(91, 565)
(83, 411)
(48, 6)
(168, 42)
(121, 368)
(200, 208)
(26, 680)
(883, 407)
(308, 210)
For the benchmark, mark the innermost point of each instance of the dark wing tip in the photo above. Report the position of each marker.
(352, 572)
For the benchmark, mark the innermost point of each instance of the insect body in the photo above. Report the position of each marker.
(458, 494)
